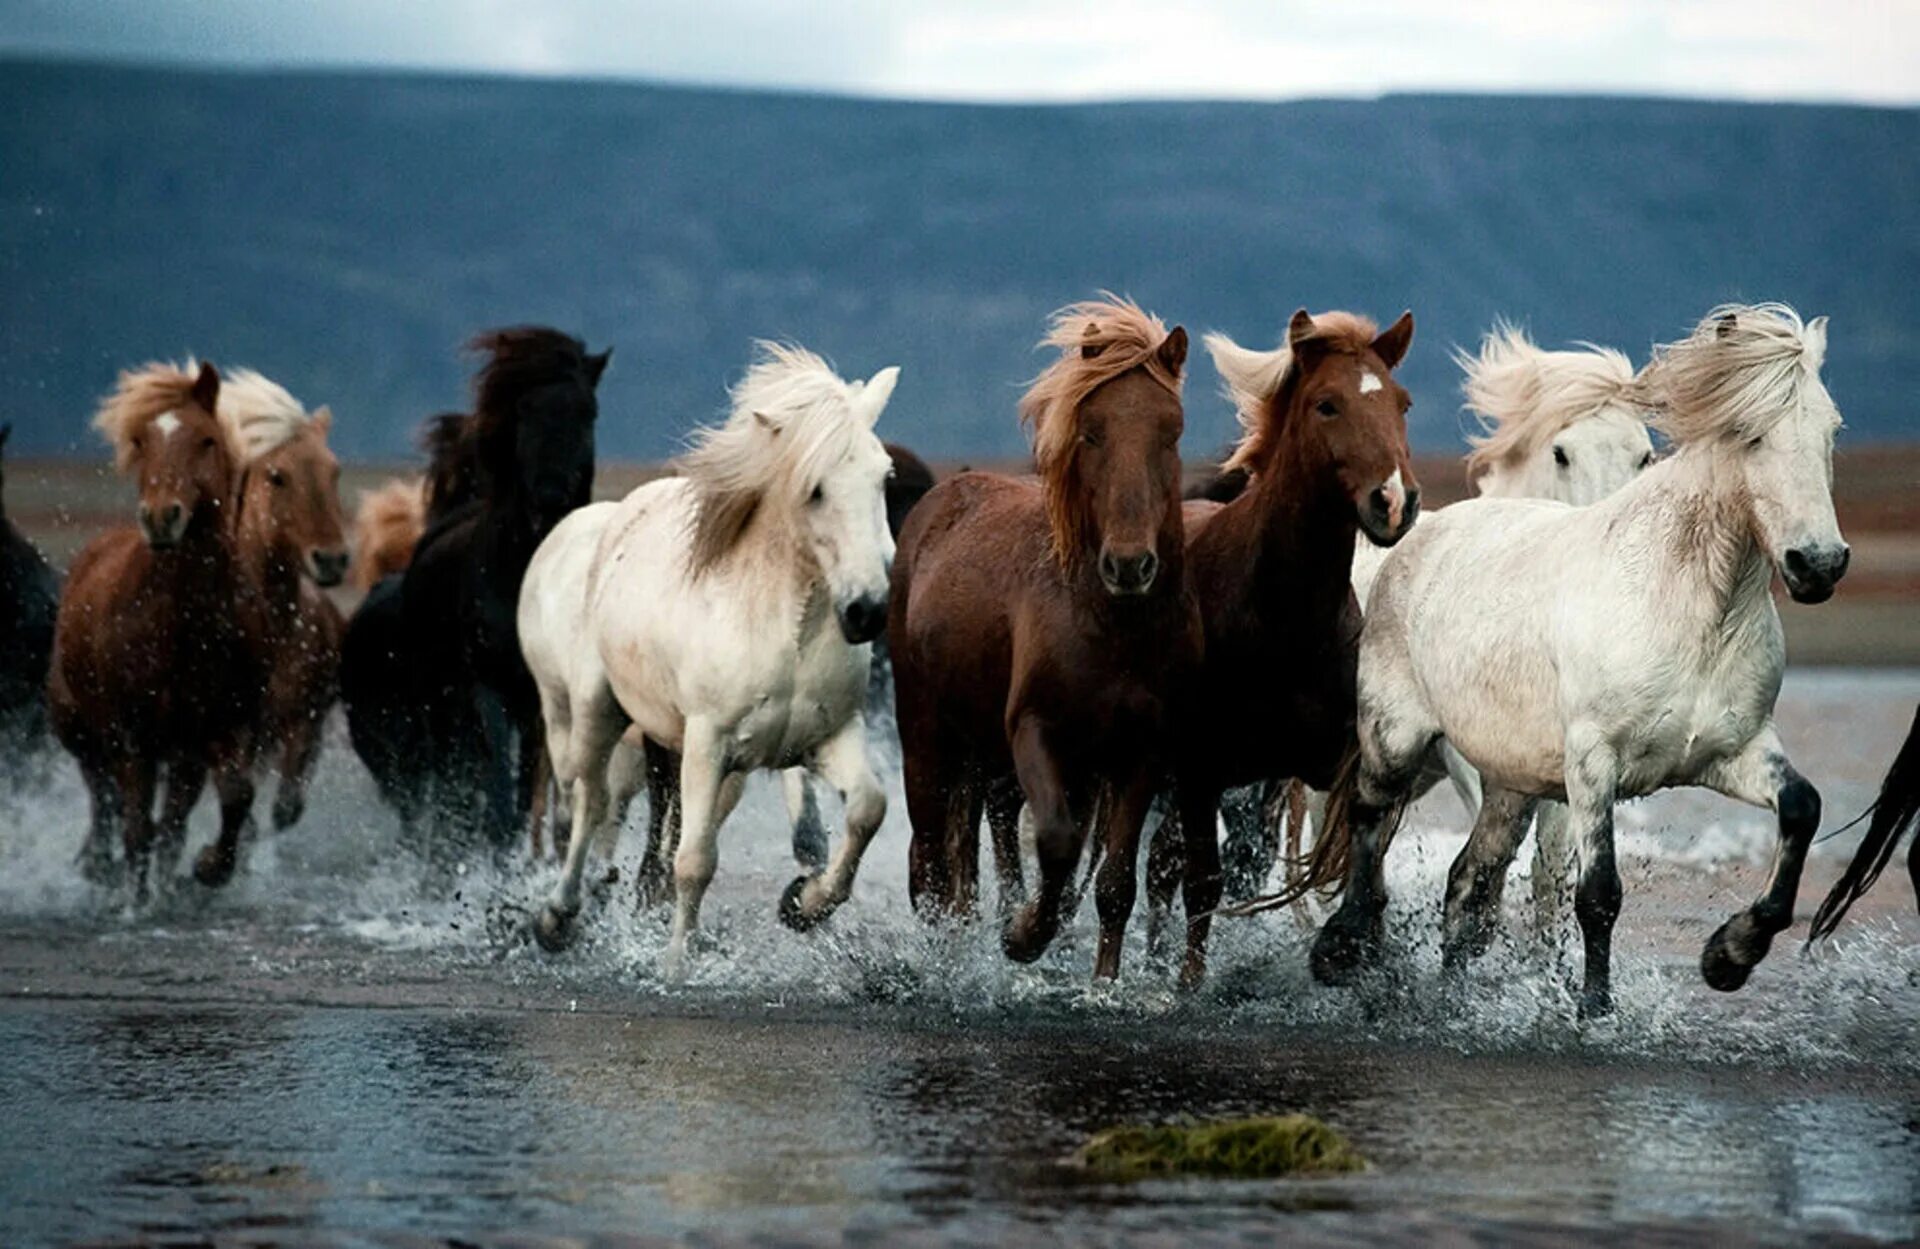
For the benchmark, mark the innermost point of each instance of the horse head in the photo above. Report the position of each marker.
(534, 420)
(162, 423)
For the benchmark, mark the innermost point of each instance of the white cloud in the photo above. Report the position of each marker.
(1865, 50)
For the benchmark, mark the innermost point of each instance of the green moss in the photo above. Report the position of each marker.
(1258, 1148)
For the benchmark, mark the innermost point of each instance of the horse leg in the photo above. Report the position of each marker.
(1592, 776)
(97, 862)
(935, 781)
(1115, 887)
(810, 843)
(185, 781)
(1056, 842)
(135, 783)
(1479, 874)
(596, 733)
(1200, 882)
(1552, 859)
(655, 881)
(1242, 862)
(233, 782)
(842, 763)
(1760, 774)
(1165, 862)
(702, 771)
(299, 753)
(1003, 802)
(1389, 766)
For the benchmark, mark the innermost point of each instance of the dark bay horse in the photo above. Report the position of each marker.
(1895, 813)
(29, 599)
(1041, 631)
(533, 441)
(291, 543)
(1325, 452)
(386, 722)
(154, 666)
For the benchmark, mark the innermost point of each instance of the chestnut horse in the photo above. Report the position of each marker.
(291, 543)
(1325, 449)
(389, 520)
(1041, 630)
(153, 666)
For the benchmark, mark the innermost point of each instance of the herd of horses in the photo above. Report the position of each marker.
(1076, 656)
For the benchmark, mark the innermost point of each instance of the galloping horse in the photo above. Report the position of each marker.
(390, 519)
(289, 540)
(1325, 447)
(29, 599)
(723, 615)
(1601, 653)
(154, 663)
(385, 721)
(532, 432)
(1042, 630)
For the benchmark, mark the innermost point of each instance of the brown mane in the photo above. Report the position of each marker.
(1099, 340)
(1259, 382)
(390, 519)
(143, 394)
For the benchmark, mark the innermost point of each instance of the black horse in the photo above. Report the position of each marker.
(457, 649)
(385, 720)
(29, 600)
(1892, 815)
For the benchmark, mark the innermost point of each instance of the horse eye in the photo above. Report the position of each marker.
(1327, 407)
(1090, 439)
(1560, 456)
(1646, 459)
(276, 477)
(819, 493)
(206, 444)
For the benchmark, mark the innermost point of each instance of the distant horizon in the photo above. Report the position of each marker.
(494, 74)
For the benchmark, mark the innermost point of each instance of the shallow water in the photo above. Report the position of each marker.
(330, 1051)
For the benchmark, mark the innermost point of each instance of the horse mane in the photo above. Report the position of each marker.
(386, 525)
(1523, 396)
(1740, 372)
(792, 417)
(1254, 380)
(521, 358)
(1099, 340)
(453, 469)
(141, 395)
(259, 415)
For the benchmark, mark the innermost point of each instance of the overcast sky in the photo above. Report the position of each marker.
(1864, 50)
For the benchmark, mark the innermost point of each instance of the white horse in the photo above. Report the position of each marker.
(1562, 425)
(725, 615)
(1596, 654)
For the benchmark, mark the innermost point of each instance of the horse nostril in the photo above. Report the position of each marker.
(170, 515)
(1109, 569)
(1796, 562)
(1148, 568)
(1841, 561)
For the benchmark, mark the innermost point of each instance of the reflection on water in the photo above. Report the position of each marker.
(331, 1046)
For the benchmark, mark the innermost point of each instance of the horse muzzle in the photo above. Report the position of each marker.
(1388, 511)
(327, 567)
(163, 526)
(1811, 572)
(1129, 575)
(864, 619)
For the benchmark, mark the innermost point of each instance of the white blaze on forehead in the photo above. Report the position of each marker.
(166, 423)
(1370, 382)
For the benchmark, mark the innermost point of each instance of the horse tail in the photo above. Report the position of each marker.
(1330, 862)
(386, 525)
(1893, 813)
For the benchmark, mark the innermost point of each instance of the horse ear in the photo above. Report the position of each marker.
(1393, 342)
(1089, 348)
(879, 390)
(1173, 352)
(596, 365)
(323, 419)
(1300, 328)
(206, 387)
(767, 423)
(1816, 342)
(1725, 325)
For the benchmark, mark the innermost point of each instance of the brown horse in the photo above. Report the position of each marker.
(291, 543)
(153, 666)
(1041, 630)
(1325, 450)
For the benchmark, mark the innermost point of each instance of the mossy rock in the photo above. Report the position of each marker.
(1258, 1148)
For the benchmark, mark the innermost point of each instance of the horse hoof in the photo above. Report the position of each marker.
(1730, 955)
(1026, 938)
(287, 812)
(1596, 1003)
(213, 867)
(1340, 954)
(793, 913)
(102, 870)
(1193, 973)
(554, 931)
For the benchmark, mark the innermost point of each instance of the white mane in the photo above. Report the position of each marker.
(1744, 368)
(259, 414)
(1522, 396)
(793, 419)
(1248, 378)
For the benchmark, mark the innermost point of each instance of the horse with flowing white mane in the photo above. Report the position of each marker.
(1601, 653)
(724, 614)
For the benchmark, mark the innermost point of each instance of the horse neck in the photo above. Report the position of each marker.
(1296, 531)
(203, 570)
(1719, 569)
(272, 579)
